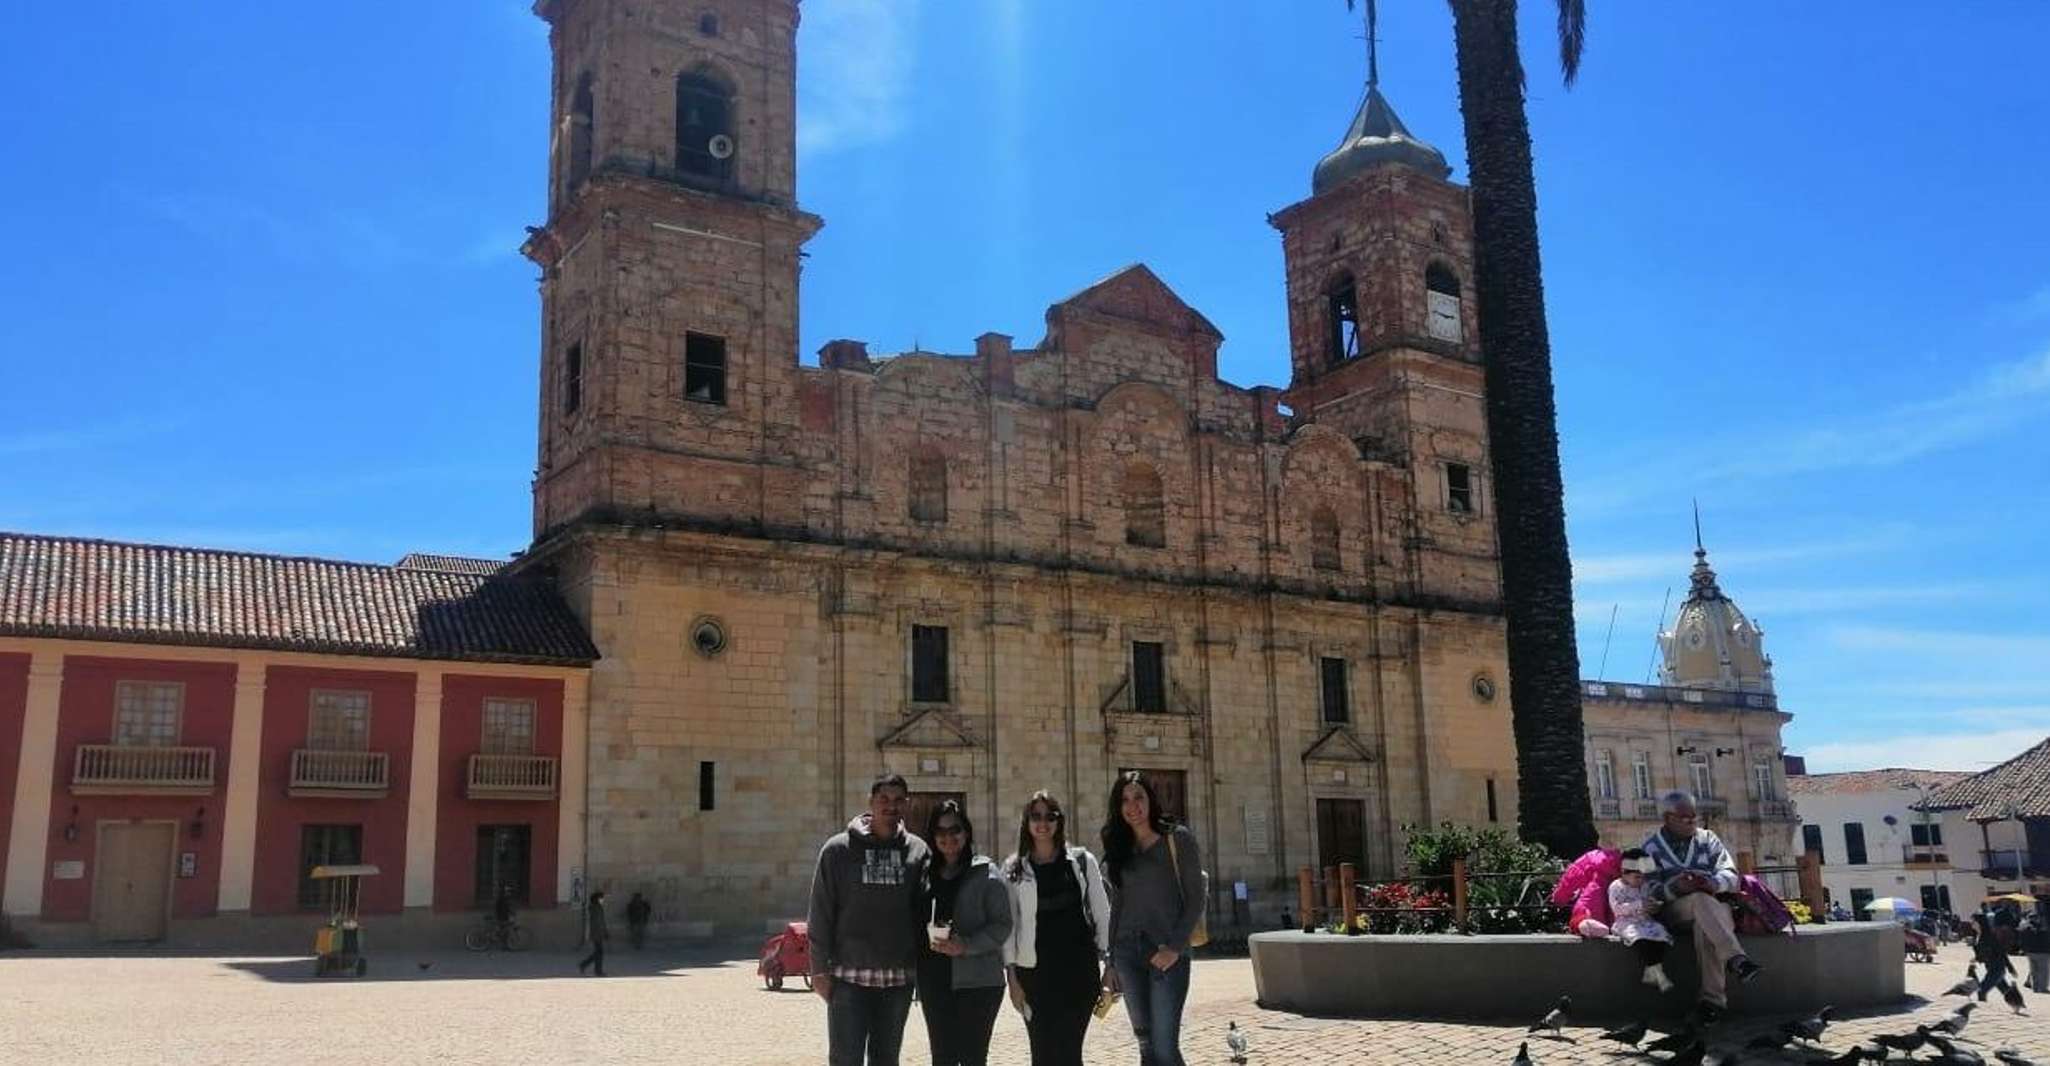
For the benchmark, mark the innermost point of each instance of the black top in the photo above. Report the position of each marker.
(944, 889)
(936, 971)
(1062, 924)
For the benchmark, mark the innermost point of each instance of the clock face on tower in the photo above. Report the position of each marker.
(1443, 309)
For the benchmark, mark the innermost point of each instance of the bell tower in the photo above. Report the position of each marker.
(1382, 339)
(669, 258)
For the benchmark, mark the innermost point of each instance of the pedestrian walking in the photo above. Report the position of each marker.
(961, 968)
(2035, 943)
(1996, 970)
(638, 909)
(1155, 870)
(596, 930)
(1060, 930)
(865, 928)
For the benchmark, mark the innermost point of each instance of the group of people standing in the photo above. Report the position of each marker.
(1059, 932)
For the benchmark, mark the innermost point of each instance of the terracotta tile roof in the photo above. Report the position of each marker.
(2022, 783)
(1868, 780)
(80, 589)
(454, 564)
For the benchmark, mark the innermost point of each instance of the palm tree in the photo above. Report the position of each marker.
(1523, 429)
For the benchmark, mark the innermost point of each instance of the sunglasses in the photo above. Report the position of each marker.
(1044, 816)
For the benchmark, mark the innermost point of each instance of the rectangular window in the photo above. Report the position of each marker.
(147, 713)
(1811, 841)
(503, 852)
(1926, 836)
(929, 664)
(508, 727)
(704, 368)
(573, 379)
(1493, 814)
(1149, 677)
(707, 773)
(1861, 898)
(340, 721)
(1640, 774)
(1701, 776)
(325, 845)
(1854, 843)
(1337, 707)
(1459, 488)
(1761, 780)
(1605, 774)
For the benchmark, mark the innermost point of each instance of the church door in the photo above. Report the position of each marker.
(1342, 834)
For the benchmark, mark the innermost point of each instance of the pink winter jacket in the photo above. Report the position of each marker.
(1585, 886)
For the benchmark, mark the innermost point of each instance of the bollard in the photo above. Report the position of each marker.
(1459, 894)
(1745, 864)
(1809, 870)
(1349, 898)
(1306, 898)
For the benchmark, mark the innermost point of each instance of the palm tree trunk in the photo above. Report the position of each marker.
(1537, 576)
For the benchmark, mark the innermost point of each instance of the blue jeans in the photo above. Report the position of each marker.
(866, 1023)
(1153, 1000)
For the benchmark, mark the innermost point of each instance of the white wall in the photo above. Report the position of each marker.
(1885, 872)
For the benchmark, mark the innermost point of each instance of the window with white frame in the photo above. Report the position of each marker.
(1701, 776)
(147, 713)
(1761, 778)
(508, 727)
(340, 721)
(1605, 774)
(1640, 774)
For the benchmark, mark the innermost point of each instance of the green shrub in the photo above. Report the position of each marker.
(1493, 904)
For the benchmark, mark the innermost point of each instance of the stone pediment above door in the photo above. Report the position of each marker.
(933, 727)
(1338, 745)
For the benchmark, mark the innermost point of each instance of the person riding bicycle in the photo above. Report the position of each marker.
(502, 910)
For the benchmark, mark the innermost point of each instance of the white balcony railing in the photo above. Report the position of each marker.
(110, 768)
(340, 773)
(1776, 808)
(511, 777)
(1608, 808)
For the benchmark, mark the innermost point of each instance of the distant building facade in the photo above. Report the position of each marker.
(1875, 844)
(1998, 823)
(1711, 726)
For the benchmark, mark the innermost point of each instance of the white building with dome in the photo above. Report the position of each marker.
(1710, 726)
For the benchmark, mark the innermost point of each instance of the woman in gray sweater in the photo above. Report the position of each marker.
(1155, 870)
(961, 968)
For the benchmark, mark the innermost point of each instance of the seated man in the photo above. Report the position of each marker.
(1693, 866)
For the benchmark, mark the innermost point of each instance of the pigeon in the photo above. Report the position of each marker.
(1236, 1041)
(1949, 1054)
(1856, 1054)
(2012, 1057)
(1967, 986)
(1955, 1024)
(1675, 1042)
(1906, 1043)
(1522, 1055)
(1555, 1018)
(1810, 1028)
(1629, 1034)
(2012, 993)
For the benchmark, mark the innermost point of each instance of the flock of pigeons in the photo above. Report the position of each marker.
(1689, 1046)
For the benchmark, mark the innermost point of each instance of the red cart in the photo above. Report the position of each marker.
(786, 953)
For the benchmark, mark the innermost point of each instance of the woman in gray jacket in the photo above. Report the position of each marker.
(961, 968)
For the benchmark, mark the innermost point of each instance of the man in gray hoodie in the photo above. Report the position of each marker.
(865, 928)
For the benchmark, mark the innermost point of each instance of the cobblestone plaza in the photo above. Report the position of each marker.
(707, 1007)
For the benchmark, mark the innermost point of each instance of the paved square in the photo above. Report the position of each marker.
(697, 1006)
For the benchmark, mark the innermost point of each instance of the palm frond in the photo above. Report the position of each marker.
(1572, 37)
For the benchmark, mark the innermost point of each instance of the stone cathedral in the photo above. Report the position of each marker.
(1029, 566)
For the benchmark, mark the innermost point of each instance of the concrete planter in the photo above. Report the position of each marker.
(1518, 977)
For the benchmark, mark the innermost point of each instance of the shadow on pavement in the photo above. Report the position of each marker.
(657, 960)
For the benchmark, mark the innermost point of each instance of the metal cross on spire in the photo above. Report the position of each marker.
(1698, 548)
(1373, 50)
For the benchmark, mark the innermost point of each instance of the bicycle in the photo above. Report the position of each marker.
(490, 933)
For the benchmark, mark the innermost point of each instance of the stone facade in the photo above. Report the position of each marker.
(753, 541)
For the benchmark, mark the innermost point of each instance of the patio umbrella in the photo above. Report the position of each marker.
(1892, 903)
(2011, 897)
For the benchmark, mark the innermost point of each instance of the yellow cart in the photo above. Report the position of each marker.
(338, 945)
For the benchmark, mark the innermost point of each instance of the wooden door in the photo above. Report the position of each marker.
(918, 808)
(1342, 834)
(132, 882)
(1170, 787)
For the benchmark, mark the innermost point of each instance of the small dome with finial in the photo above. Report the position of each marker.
(1376, 136)
(1712, 644)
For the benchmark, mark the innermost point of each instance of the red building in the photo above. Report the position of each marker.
(185, 733)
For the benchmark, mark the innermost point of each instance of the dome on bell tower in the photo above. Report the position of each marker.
(1712, 644)
(1376, 136)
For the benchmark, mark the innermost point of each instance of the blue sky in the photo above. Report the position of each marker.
(264, 292)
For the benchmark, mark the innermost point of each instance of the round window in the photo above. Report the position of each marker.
(707, 637)
(1484, 688)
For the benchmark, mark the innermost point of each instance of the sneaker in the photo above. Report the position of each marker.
(1745, 969)
(1656, 977)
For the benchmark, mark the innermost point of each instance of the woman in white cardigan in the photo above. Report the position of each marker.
(1060, 930)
